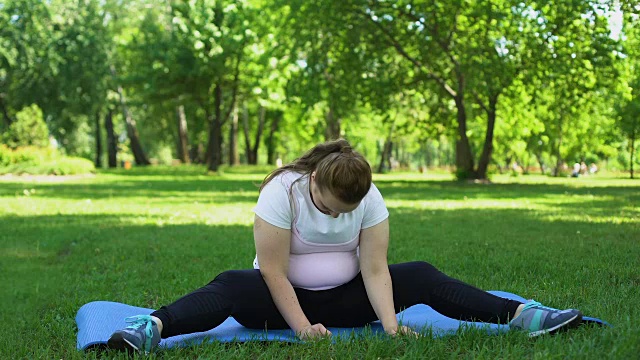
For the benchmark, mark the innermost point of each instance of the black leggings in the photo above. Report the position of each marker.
(244, 295)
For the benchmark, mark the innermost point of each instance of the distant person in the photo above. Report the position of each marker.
(516, 168)
(576, 170)
(593, 168)
(583, 168)
(321, 234)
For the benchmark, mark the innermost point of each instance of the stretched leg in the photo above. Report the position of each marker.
(242, 294)
(420, 282)
(413, 283)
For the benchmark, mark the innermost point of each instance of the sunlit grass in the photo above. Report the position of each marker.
(148, 236)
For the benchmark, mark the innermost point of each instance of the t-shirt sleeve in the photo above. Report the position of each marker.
(375, 210)
(273, 204)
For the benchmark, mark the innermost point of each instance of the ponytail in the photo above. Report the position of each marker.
(340, 170)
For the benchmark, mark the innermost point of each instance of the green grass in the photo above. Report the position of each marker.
(148, 236)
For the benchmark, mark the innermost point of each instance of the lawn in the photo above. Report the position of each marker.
(147, 236)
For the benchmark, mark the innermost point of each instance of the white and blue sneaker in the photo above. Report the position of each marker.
(141, 335)
(539, 320)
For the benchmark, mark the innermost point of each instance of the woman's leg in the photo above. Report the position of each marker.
(242, 294)
(420, 282)
(413, 283)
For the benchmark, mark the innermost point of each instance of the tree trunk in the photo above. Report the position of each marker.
(256, 144)
(183, 139)
(98, 162)
(540, 162)
(247, 138)
(556, 170)
(112, 146)
(271, 141)
(385, 155)
(234, 157)
(252, 151)
(632, 141)
(139, 155)
(214, 148)
(332, 130)
(487, 149)
(196, 153)
(464, 158)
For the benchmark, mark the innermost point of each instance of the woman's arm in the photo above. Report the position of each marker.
(374, 242)
(272, 248)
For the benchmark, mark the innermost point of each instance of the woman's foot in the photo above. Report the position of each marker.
(539, 320)
(142, 335)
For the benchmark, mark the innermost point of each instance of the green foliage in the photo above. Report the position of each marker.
(64, 165)
(164, 155)
(405, 72)
(29, 129)
(6, 155)
(515, 235)
(41, 161)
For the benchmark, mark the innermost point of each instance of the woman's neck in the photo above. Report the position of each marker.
(311, 196)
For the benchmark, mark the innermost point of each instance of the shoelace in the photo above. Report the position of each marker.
(532, 304)
(138, 321)
(537, 305)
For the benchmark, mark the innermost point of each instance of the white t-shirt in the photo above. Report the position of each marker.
(324, 250)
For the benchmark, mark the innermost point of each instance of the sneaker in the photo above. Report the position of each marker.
(141, 335)
(539, 320)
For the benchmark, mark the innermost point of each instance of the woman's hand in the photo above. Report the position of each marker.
(314, 331)
(403, 331)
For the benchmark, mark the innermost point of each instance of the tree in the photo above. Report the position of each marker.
(215, 34)
(28, 63)
(629, 120)
(628, 105)
(83, 41)
(463, 49)
(28, 129)
(474, 51)
(330, 57)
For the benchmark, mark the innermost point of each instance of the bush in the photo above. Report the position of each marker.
(33, 155)
(41, 161)
(6, 155)
(29, 129)
(69, 166)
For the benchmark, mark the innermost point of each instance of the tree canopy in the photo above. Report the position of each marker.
(478, 86)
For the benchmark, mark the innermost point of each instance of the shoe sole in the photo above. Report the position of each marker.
(569, 324)
(117, 342)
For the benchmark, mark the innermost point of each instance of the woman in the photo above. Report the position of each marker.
(321, 234)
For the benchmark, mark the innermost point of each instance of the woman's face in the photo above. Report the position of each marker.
(327, 203)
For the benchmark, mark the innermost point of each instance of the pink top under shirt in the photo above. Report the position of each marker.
(324, 250)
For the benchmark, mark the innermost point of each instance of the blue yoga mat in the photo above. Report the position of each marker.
(97, 320)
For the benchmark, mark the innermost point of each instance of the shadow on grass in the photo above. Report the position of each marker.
(471, 243)
(443, 190)
(189, 170)
(58, 263)
(49, 261)
(219, 190)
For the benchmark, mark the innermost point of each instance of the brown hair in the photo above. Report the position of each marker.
(339, 169)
